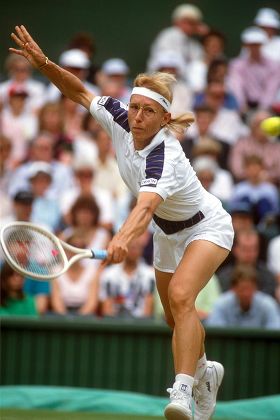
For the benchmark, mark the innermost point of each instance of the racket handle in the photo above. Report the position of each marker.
(99, 254)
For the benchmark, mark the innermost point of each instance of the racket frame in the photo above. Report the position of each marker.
(61, 245)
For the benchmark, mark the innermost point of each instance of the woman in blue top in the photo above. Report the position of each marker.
(193, 233)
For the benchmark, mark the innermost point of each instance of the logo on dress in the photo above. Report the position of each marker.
(103, 100)
(149, 182)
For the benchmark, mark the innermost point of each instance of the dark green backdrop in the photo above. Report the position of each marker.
(123, 28)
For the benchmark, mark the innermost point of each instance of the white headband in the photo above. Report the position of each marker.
(153, 95)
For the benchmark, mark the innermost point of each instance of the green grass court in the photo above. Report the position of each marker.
(9, 414)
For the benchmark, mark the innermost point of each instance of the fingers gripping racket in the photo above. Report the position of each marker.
(33, 251)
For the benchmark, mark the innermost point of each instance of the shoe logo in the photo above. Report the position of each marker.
(208, 386)
(183, 387)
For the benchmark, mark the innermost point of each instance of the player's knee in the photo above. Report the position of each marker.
(181, 300)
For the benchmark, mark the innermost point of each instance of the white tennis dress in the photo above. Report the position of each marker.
(163, 168)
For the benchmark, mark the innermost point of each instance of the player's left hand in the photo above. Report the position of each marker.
(28, 47)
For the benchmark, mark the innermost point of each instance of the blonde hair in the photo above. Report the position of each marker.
(162, 83)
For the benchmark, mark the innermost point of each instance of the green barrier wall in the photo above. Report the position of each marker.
(122, 28)
(130, 356)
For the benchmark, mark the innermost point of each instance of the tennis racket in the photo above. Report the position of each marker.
(35, 252)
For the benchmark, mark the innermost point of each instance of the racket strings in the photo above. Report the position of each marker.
(33, 251)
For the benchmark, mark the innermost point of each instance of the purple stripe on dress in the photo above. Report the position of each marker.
(120, 114)
(155, 162)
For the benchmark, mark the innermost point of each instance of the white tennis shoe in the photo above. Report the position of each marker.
(180, 406)
(205, 391)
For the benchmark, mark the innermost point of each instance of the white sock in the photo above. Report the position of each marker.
(185, 379)
(201, 367)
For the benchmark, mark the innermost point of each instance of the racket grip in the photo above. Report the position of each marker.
(99, 254)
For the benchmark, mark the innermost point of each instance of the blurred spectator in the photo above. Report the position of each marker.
(45, 211)
(84, 171)
(269, 20)
(42, 149)
(76, 291)
(17, 123)
(116, 74)
(213, 43)
(216, 93)
(21, 207)
(214, 179)
(186, 24)
(223, 183)
(223, 126)
(72, 117)
(51, 121)
(77, 62)
(253, 78)
(259, 144)
(20, 73)
(127, 289)
(263, 196)
(85, 42)
(84, 144)
(242, 216)
(244, 305)
(207, 298)
(13, 300)
(273, 261)
(171, 62)
(106, 168)
(243, 220)
(84, 216)
(246, 250)
(5, 176)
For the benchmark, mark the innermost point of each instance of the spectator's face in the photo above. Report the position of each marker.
(20, 71)
(206, 178)
(253, 171)
(188, 26)
(85, 218)
(246, 249)
(40, 184)
(17, 103)
(23, 211)
(242, 221)
(214, 46)
(245, 291)
(42, 149)
(51, 120)
(204, 120)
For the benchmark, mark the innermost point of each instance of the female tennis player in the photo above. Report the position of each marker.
(193, 233)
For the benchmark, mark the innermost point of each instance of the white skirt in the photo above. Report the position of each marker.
(216, 227)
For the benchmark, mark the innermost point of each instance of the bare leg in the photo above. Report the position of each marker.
(200, 261)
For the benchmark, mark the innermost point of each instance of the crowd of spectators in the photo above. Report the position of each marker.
(58, 169)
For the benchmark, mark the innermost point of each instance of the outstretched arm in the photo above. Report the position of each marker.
(69, 85)
(136, 224)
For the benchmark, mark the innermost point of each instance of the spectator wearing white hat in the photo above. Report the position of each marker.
(269, 20)
(186, 22)
(19, 72)
(172, 62)
(77, 62)
(253, 78)
(18, 123)
(115, 79)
